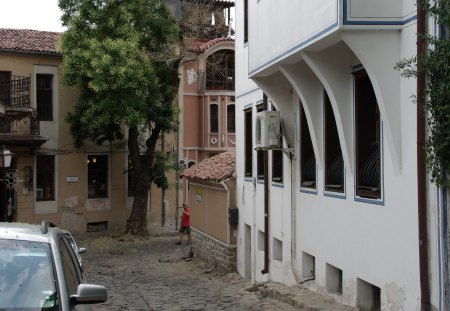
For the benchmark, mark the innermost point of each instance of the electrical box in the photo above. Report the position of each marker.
(267, 129)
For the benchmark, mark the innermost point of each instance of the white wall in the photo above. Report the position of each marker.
(303, 22)
(376, 241)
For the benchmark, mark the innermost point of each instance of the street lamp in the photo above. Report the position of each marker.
(5, 157)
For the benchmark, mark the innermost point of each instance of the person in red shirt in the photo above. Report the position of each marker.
(185, 226)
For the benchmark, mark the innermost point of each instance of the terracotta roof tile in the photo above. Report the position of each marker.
(30, 41)
(216, 168)
(202, 46)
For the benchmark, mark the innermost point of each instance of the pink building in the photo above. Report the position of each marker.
(206, 102)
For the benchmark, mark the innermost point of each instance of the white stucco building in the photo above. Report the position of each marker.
(342, 199)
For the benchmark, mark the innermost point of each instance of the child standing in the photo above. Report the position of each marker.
(185, 226)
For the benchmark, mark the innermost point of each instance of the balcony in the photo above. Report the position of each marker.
(15, 96)
(18, 124)
(222, 80)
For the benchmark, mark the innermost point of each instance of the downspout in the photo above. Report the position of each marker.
(266, 212)
(177, 156)
(421, 169)
(293, 220)
(225, 186)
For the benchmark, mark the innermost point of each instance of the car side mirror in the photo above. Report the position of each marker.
(89, 294)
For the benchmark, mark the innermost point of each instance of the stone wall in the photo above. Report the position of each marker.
(214, 252)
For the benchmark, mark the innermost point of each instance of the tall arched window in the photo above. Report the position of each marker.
(231, 119)
(214, 118)
(220, 70)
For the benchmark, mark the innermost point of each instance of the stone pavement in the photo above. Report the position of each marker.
(151, 274)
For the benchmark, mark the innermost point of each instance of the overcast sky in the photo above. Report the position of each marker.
(30, 14)
(35, 14)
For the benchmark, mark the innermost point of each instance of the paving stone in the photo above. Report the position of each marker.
(149, 274)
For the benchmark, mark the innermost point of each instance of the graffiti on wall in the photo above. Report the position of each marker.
(94, 205)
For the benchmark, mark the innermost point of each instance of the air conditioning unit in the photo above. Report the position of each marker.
(267, 129)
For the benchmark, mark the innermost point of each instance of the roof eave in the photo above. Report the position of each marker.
(29, 52)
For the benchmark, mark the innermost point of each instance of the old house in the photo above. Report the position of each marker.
(331, 201)
(78, 189)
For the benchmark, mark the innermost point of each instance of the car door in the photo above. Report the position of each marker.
(72, 272)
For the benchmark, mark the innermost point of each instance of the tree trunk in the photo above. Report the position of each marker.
(142, 167)
(137, 223)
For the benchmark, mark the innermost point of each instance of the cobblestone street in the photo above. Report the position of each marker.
(150, 274)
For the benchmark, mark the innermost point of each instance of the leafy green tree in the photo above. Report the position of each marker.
(435, 64)
(122, 55)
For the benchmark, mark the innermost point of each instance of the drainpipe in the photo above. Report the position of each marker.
(421, 169)
(225, 186)
(266, 212)
(295, 273)
(177, 170)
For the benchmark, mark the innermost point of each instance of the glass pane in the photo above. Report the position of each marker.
(45, 178)
(26, 276)
(97, 176)
(44, 97)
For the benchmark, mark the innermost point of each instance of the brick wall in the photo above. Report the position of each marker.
(214, 252)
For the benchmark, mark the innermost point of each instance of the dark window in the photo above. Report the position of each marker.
(45, 178)
(231, 119)
(5, 98)
(44, 97)
(220, 70)
(214, 118)
(97, 176)
(248, 124)
(334, 163)
(5, 87)
(245, 21)
(72, 275)
(277, 162)
(307, 157)
(367, 127)
(260, 153)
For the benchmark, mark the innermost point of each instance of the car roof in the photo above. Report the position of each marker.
(29, 232)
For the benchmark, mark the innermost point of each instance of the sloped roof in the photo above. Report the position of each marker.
(202, 46)
(28, 41)
(217, 168)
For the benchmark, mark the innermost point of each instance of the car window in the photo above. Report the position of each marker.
(74, 246)
(72, 274)
(26, 276)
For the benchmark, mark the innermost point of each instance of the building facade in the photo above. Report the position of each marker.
(335, 208)
(79, 189)
(206, 102)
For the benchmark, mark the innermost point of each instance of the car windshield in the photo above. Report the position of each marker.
(26, 276)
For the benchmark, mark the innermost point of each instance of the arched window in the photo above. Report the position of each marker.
(367, 138)
(231, 119)
(220, 70)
